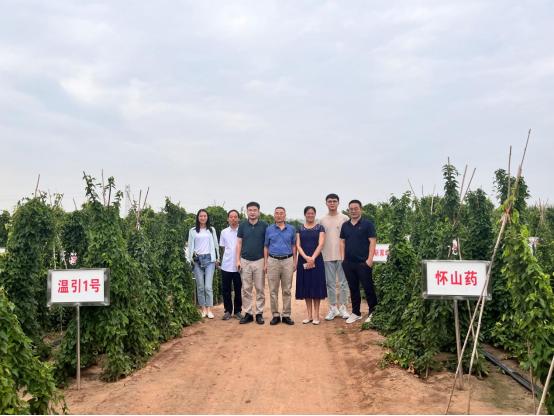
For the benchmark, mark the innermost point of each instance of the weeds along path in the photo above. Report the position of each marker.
(223, 367)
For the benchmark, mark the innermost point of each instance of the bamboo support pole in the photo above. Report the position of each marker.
(145, 198)
(36, 187)
(103, 189)
(412, 188)
(432, 199)
(467, 300)
(463, 181)
(469, 312)
(546, 385)
(507, 215)
(509, 170)
(469, 183)
(481, 300)
(463, 197)
(531, 378)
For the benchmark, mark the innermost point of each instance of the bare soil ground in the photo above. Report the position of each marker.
(221, 367)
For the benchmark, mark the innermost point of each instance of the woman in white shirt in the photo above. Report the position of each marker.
(203, 253)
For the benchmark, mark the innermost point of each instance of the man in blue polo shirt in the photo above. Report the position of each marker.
(358, 239)
(280, 256)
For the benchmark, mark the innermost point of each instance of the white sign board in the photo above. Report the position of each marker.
(381, 253)
(533, 244)
(86, 287)
(459, 279)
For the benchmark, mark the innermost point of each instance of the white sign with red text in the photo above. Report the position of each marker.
(381, 253)
(455, 278)
(78, 286)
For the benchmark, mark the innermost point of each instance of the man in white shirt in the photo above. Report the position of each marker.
(229, 273)
(332, 222)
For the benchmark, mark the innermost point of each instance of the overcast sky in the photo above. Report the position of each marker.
(280, 102)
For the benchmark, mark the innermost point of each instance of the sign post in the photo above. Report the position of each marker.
(78, 347)
(456, 280)
(78, 287)
(458, 336)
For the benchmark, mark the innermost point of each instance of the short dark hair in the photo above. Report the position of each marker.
(332, 196)
(308, 208)
(276, 208)
(233, 210)
(355, 201)
(252, 204)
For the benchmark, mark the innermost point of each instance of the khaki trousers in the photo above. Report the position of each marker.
(280, 272)
(252, 275)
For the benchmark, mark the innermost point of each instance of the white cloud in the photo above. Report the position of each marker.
(80, 31)
(281, 87)
(83, 87)
(343, 90)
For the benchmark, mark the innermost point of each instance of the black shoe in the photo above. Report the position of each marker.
(260, 319)
(276, 320)
(287, 320)
(246, 319)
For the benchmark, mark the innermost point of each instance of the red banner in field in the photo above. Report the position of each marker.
(381, 253)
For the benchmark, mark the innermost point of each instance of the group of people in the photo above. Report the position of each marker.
(337, 248)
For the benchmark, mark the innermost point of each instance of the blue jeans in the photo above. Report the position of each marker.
(204, 275)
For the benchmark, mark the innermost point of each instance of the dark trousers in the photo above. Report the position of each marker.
(356, 273)
(228, 278)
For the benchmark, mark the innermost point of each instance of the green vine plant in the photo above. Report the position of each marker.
(499, 308)
(4, 223)
(419, 330)
(531, 313)
(151, 284)
(397, 276)
(29, 253)
(152, 290)
(26, 384)
(541, 226)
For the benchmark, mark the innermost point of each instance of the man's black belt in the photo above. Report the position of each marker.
(280, 257)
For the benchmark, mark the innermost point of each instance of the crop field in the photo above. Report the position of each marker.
(149, 351)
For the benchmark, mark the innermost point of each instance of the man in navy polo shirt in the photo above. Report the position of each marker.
(280, 256)
(251, 263)
(358, 239)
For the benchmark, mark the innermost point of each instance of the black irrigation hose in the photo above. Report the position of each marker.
(514, 374)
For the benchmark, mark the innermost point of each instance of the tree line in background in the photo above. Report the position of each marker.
(152, 291)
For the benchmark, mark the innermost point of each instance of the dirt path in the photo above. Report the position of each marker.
(223, 367)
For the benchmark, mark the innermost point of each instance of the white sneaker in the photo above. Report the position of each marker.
(210, 315)
(333, 312)
(343, 312)
(368, 320)
(353, 318)
(204, 314)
